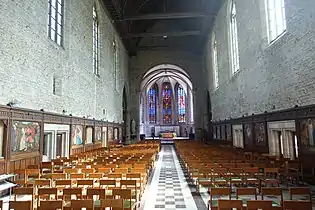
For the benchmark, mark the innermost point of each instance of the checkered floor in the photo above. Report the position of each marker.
(168, 189)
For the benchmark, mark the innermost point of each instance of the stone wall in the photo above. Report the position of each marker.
(29, 60)
(272, 76)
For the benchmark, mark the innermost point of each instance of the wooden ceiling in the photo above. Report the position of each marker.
(163, 24)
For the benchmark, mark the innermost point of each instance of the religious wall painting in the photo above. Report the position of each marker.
(77, 134)
(167, 103)
(229, 132)
(247, 133)
(98, 134)
(25, 137)
(260, 134)
(307, 132)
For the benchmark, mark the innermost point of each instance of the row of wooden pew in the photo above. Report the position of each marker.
(221, 169)
(94, 179)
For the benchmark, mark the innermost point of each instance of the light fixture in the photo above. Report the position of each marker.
(165, 37)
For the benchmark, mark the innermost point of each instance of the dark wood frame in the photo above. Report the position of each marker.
(297, 114)
(11, 163)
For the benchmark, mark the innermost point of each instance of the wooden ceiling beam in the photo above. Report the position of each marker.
(164, 34)
(163, 16)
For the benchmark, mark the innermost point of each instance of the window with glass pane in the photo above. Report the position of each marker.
(215, 62)
(55, 23)
(234, 40)
(167, 103)
(152, 99)
(115, 61)
(95, 43)
(276, 21)
(181, 101)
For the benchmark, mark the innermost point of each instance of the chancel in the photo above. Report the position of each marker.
(157, 104)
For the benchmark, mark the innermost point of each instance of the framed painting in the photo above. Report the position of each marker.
(307, 133)
(77, 134)
(260, 134)
(25, 137)
(98, 134)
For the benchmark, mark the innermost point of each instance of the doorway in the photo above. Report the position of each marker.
(59, 145)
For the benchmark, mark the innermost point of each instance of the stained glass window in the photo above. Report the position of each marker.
(152, 104)
(181, 103)
(167, 103)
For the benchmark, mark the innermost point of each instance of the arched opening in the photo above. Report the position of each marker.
(166, 102)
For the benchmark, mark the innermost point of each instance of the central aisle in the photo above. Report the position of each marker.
(168, 188)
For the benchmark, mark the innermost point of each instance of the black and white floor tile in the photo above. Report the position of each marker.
(168, 189)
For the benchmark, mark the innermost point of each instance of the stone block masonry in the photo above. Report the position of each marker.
(29, 60)
(272, 76)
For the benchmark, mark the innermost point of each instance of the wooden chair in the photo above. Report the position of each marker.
(77, 176)
(56, 176)
(42, 183)
(50, 205)
(125, 194)
(22, 191)
(46, 167)
(96, 176)
(99, 193)
(297, 205)
(112, 204)
(1, 204)
(271, 176)
(46, 194)
(261, 205)
(19, 205)
(246, 192)
(229, 204)
(236, 176)
(108, 184)
(300, 191)
(275, 191)
(81, 204)
(67, 193)
(20, 177)
(251, 177)
(131, 184)
(218, 192)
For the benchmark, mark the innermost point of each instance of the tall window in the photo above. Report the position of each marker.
(234, 40)
(276, 22)
(95, 43)
(215, 62)
(115, 55)
(167, 103)
(181, 103)
(152, 99)
(55, 22)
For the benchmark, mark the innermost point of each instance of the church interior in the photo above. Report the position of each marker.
(157, 104)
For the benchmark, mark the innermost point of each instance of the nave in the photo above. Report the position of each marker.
(147, 175)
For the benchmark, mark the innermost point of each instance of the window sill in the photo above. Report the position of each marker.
(235, 73)
(277, 39)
